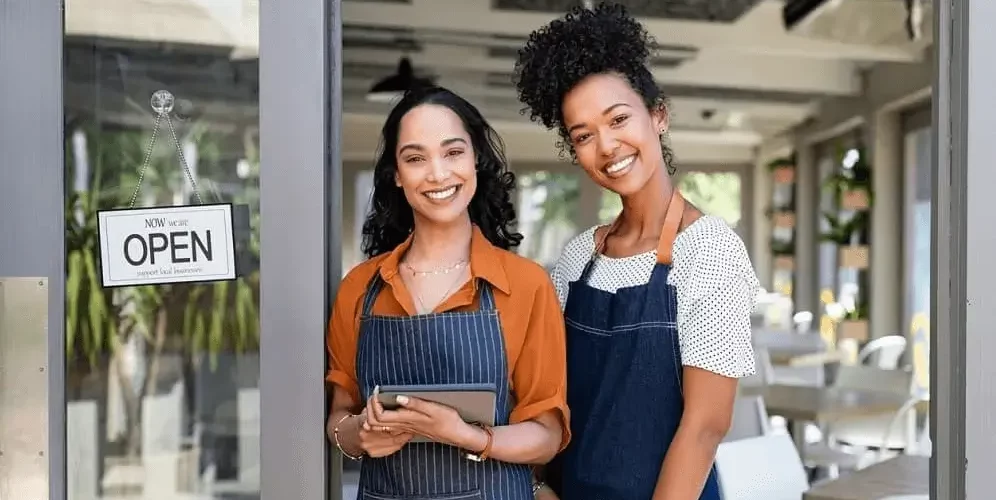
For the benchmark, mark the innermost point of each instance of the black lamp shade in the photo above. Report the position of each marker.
(394, 86)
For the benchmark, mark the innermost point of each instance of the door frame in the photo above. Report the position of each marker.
(300, 121)
(963, 377)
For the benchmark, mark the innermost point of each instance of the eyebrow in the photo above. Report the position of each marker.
(607, 111)
(419, 147)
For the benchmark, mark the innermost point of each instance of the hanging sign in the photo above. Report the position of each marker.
(150, 246)
(164, 245)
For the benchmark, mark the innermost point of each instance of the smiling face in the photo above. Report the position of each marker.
(615, 138)
(436, 164)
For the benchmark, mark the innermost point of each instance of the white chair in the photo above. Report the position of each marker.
(848, 441)
(761, 468)
(750, 419)
(763, 371)
(883, 352)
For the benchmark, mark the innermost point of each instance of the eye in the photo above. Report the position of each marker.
(413, 159)
(578, 139)
(619, 120)
(454, 153)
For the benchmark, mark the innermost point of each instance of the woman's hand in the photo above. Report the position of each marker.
(376, 439)
(440, 423)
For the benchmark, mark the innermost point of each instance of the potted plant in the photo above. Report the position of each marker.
(783, 170)
(852, 186)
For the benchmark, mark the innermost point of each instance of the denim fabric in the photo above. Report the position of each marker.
(624, 379)
(443, 348)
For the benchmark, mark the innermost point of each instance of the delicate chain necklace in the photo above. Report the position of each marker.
(439, 270)
(449, 291)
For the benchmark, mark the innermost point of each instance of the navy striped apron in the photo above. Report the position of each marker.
(438, 348)
(624, 380)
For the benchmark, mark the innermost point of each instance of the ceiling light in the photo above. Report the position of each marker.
(393, 87)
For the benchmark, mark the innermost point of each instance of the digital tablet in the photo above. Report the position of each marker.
(474, 402)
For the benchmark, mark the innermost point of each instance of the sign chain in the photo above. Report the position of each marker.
(162, 104)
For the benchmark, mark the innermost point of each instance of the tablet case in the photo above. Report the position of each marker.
(474, 402)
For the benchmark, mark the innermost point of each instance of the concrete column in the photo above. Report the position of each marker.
(589, 202)
(760, 223)
(884, 138)
(807, 184)
(351, 253)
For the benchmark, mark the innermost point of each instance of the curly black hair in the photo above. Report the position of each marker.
(391, 219)
(585, 42)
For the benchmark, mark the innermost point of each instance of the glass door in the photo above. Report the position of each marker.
(185, 324)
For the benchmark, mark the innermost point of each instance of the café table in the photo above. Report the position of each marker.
(902, 475)
(802, 404)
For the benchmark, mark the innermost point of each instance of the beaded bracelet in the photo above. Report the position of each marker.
(335, 435)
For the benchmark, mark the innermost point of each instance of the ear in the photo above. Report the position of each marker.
(660, 118)
(397, 179)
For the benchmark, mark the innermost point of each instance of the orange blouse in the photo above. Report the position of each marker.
(531, 319)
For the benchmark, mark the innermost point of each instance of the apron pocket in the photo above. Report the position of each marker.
(465, 495)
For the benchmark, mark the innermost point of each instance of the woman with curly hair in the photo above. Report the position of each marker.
(657, 303)
(442, 300)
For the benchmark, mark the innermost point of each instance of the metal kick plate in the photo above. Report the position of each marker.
(24, 470)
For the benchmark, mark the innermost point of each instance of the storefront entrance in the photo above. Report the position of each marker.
(160, 363)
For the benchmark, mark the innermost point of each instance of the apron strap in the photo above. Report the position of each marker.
(487, 296)
(373, 289)
(672, 222)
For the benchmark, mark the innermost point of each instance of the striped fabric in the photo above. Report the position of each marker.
(439, 348)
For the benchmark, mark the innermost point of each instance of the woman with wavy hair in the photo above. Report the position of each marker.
(657, 303)
(442, 300)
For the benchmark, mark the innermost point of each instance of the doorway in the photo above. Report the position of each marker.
(168, 388)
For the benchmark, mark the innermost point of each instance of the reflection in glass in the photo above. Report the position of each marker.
(162, 381)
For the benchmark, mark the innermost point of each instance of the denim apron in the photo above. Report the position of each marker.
(624, 377)
(437, 348)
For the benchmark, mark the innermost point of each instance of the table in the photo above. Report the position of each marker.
(801, 404)
(903, 475)
(826, 403)
(783, 345)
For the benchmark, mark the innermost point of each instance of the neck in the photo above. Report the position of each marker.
(440, 244)
(643, 212)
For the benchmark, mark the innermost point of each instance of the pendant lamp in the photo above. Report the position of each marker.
(393, 87)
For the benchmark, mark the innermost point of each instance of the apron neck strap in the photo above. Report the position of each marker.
(672, 222)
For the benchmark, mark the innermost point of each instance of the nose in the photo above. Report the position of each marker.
(607, 144)
(438, 171)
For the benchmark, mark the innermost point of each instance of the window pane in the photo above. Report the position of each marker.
(547, 204)
(715, 193)
(162, 381)
(917, 213)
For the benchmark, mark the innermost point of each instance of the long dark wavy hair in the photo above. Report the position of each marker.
(391, 218)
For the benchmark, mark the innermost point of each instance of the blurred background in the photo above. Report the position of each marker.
(804, 124)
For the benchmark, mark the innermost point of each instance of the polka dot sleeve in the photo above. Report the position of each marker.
(716, 288)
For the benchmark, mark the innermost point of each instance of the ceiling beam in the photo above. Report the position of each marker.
(715, 70)
(760, 31)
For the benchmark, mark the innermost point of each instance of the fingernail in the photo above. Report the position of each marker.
(401, 399)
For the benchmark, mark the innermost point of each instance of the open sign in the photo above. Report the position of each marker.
(162, 245)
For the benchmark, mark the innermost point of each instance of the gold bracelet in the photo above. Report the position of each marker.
(335, 435)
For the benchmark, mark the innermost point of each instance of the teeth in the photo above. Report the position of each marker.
(441, 195)
(619, 165)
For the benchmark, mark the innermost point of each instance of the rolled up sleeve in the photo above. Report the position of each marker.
(539, 377)
(341, 343)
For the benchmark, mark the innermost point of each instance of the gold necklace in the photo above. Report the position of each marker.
(438, 270)
(446, 295)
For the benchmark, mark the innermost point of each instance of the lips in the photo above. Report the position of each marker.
(442, 194)
(620, 167)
